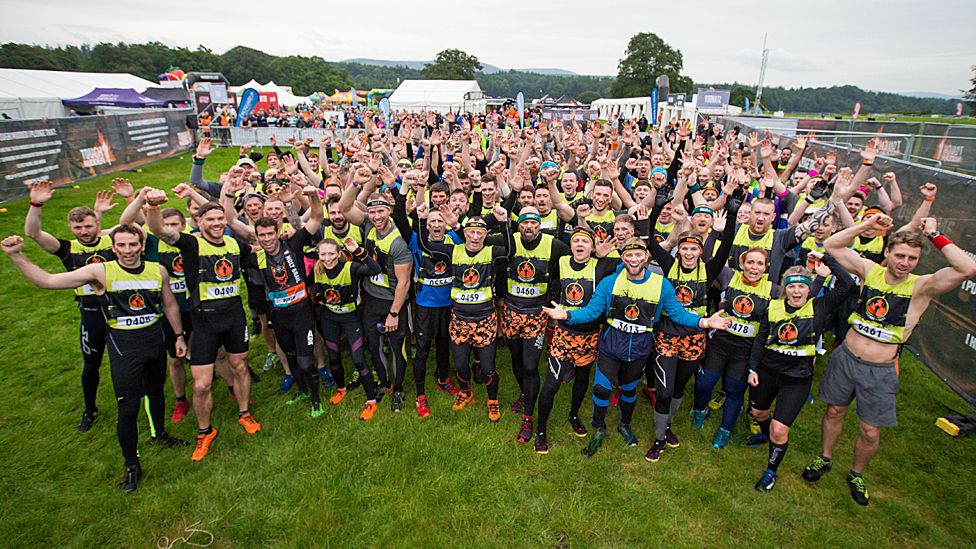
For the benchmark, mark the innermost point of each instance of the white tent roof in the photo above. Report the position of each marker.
(285, 97)
(437, 95)
(26, 83)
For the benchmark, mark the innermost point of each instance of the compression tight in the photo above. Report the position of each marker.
(611, 373)
(486, 355)
(525, 364)
(671, 376)
(443, 357)
(92, 337)
(331, 330)
(551, 385)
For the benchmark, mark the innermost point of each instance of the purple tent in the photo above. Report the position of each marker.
(113, 97)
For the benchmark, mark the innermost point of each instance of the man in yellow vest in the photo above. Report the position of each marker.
(865, 366)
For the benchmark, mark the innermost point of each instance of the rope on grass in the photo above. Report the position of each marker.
(165, 543)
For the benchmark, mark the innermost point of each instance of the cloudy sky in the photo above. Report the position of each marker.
(891, 45)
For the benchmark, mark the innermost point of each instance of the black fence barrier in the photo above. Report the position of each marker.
(945, 338)
(62, 150)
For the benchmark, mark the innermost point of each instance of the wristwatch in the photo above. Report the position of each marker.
(934, 234)
(394, 314)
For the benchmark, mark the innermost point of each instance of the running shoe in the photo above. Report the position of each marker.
(164, 439)
(203, 444)
(296, 398)
(698, 418)
(397, 404)
(494, 411)
(422, 409)
(671, 439)
(630, 439)
(317, 410)
(286, 384)
(541, 446)
(654, 454)
(615, 398)
(595, 443)
(817, 469)
(269, 361)
(87, 418)
(766, 482)
(721, 439)
(179, 411)
(757, 439)
(518, 404)
(250, 425)
(578, 428)
(131, 480)
(382, 392)
(650, 393)
(326, 376)
(445, 385)
(717, 401)
(754, 427)
(525, 432)
(462, 399)
(354, 382)
(338, 396)
(859, 490)
(369, 410)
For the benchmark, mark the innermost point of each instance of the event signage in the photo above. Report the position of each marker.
(676, 99)
(385, 108)
(520, 105)
(654, 106)
(63, 150)
(249, 100)
(713, 99)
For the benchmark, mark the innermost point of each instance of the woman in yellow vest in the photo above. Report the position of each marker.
(337, 303)
(783, 353)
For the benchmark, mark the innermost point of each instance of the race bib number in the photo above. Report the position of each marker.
(472, 297)
(339, 309)
(524, 290)
(627, 327)
(380, 280)
(436, 282)
(178, 285)
(873, 332)
(740, 329)
(790, 352)
(218, 292)
(131, 322)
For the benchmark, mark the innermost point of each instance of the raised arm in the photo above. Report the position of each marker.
(93, 273)
(40, 193)
(839, 244)
(347, 203)
(961, 265)
(155, 198)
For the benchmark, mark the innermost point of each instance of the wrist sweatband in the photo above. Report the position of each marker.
(929, 198)
(941, 242)
(694, 188)
(37, 204)
(154, 206)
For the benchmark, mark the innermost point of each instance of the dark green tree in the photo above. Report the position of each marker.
(587, 97)
(452, 65)
(646, 58)
(970, 94)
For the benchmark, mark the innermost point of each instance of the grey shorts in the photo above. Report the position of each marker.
(873, 384)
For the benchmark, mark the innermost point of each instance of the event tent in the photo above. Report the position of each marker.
(438, 95)
(285, 96)
(171, 96)
(114, 97)
(26, 93)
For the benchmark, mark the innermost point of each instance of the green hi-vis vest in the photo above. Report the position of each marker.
(576, 287)
(550, 223)
(80, 255)
(882, 309)
(691, 288)
(328, 232)
(472, 282)
(791, 333)
(661, 231)
(601, 225)
(632, 305)
(220, 270)
(811, 208)
(132, 301)
(171, 258)
(337, 294)
(872, 249)
(746, 304)
(742, 242)
(381, 251)
(528, 271)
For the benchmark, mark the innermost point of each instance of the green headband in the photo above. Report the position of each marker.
(703, 209)
(530, 216)
(798, 279)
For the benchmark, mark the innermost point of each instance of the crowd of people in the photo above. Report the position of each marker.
(299, 116)
(599, 255)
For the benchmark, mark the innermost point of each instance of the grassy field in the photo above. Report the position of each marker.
(450, 480)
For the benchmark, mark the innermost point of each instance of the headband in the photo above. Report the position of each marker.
(583, 231)
(798, 279)
(530, 216)
(703, 209)
(872, 210)
(548, 164)
(691, 239)
(249, 196)
(475, 223)
(634, 245)
(658, 170)
(378, 202)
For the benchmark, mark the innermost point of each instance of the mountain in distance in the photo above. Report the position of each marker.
(488, 68)
(931, 95)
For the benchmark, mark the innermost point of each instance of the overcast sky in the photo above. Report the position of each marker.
(890, 45)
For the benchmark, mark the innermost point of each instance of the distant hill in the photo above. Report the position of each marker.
(931, 95)
(488, 68)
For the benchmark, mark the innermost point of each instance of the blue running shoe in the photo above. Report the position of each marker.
(767, 481)
(757, 439)
(698, 418)
(721, 439)
(630, 439)
(327, 379)
(286, 384)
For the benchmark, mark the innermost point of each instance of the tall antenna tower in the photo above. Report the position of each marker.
(762, 74)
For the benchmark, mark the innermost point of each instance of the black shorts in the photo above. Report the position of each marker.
(790, 394)
(137, 359)
(729, 355)
(431, 323)
(171, 335)
(224, 326)
(294, 329)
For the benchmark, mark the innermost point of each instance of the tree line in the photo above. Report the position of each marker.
(647, 56)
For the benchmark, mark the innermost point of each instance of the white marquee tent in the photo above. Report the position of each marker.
(438, 95)
(285, 96)
(26, 94)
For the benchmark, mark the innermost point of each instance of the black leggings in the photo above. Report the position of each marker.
(671, 376)
(486, 355)
(611, 373)
(790, 394)
(525, 364)
(555, 374)
(331, 327)
(431, 320)
(375, 312)
(138, 366)
(92, 335)
(294, 329)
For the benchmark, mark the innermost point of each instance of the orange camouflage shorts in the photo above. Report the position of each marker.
(578, 349)
(686, 347)
(517, 325)
(478, 333)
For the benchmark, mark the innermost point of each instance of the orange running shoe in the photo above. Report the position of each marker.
(249, 424)
(494, 412)
(368, 411)
(338, 396)
(203, 444)
(463, 399)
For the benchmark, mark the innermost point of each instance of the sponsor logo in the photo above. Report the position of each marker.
(470, 278)
(574, 294)
(788, 333)
(526, 271)
(136, 302)
(743, 306)
(685, 294)
(224, 269)
(631, 312)
(877, 308)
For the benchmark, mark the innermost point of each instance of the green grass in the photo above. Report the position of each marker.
(452, 479)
